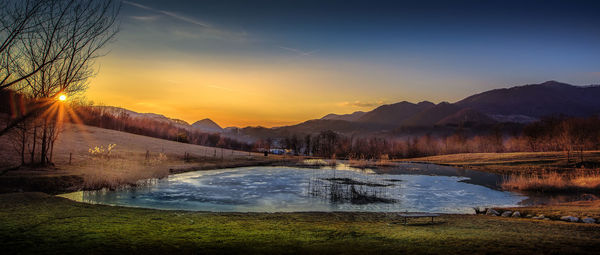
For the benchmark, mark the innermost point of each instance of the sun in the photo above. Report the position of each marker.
(62, 97)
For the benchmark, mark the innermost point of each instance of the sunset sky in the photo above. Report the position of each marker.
(275, 63)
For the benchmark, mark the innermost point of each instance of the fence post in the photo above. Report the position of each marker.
(70, 157)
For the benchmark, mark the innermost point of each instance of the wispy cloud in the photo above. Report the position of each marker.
(299, 52)
(169, 14)
(145, 18)
(202, 29)
(362, 104)
(137, 5)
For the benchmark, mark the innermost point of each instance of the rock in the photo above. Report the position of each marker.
(529, 216)
(588, 220)
(569, 218)
(546, 219)
(492, 212)
(506, 214)
(479, 210)
(516, 214)
(539, 217)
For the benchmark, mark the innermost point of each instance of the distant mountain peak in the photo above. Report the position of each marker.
(426, 103)
(394, 114)
(554, 83)
(347, 117)
(207, 125)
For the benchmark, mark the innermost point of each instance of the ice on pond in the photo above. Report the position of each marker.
(287, 189)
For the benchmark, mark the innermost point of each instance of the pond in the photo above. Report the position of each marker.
(407, 187)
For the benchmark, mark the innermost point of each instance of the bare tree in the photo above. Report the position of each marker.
(56, 54)
(17, 20)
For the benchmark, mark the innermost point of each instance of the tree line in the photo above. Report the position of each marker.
(122, 121)
(568, 134)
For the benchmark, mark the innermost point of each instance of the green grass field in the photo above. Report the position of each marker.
(34, 223)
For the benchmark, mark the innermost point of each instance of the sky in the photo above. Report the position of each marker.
(273, 63)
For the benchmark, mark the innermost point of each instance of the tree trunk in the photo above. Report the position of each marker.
(44, 143)
(33, 145)
(23, 140)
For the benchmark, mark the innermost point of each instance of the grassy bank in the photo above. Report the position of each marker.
(579, 209)
(37, 223)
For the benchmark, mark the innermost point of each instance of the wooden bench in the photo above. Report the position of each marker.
(417, 215)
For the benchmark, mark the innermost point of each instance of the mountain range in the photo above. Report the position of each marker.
(520, 104)
(204, 125)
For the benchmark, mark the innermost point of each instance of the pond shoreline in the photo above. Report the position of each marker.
(54, 181)
(60, 182)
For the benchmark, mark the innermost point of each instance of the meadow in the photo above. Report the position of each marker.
(38, 223)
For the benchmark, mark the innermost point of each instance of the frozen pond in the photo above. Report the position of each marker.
(408, 187)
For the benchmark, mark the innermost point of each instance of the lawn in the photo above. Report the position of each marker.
(39, 223)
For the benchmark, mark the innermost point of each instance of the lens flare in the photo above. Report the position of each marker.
(62, 97)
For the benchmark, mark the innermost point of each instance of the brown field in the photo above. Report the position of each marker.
(517, 162)
(134, 158)
(542, 172)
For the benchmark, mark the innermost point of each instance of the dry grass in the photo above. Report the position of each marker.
(554, 182)
(359, 163)
(117, 171)
(133, 159)
(383, 161)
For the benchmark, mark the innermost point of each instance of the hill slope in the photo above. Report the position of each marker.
(537, 100)
(208, 126)
(394, 114)
(347, 117)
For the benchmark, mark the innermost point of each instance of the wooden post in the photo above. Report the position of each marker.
(70, 157)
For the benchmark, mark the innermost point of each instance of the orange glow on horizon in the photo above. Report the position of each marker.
(238, 93)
